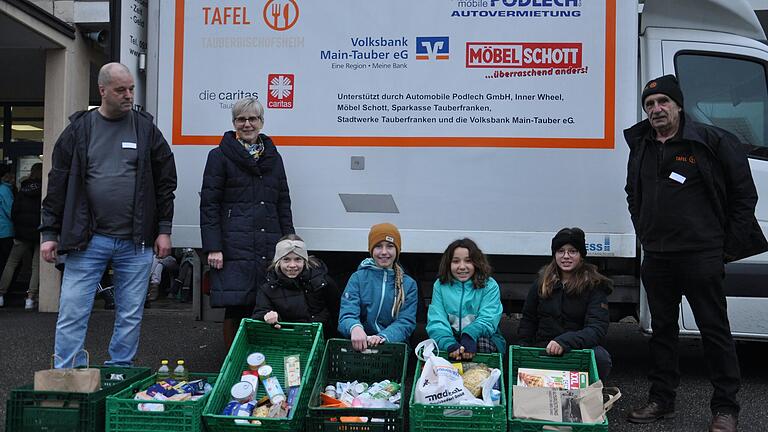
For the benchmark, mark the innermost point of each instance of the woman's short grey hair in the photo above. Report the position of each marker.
(247, 105)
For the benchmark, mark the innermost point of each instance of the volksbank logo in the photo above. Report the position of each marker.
(432, 48)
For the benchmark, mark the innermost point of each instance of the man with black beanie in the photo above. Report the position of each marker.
(692, 201)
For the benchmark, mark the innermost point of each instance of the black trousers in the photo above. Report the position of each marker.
(698, 276)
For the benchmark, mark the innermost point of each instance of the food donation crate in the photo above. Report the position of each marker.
(49, 411)
(304, 340)
(123, 414)
(341, 363)
(537, 358)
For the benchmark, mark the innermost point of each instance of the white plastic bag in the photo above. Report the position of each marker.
(440, 383)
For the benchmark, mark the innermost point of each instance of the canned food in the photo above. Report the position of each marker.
(255, 360)
(242, 392)
(265, 372)
(331, 391)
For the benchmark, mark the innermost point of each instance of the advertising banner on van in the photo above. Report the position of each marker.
(427, 73)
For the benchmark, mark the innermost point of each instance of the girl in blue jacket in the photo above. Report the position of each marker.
(466, 308)
(379, 302)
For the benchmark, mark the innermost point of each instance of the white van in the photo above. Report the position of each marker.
(500, 120)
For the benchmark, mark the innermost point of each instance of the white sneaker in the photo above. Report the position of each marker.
(2, 301)
(29, 304)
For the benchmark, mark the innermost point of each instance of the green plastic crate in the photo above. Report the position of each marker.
(123, 413)
(306, 340)
(575, 360)
(342, 363)
(460, 417)
(37, 411)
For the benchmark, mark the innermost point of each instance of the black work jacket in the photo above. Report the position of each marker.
(66, 213)
(725, 171)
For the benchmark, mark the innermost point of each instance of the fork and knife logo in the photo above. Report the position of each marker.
(281, 15)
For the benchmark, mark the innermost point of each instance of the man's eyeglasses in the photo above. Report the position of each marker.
(569, 252)
(241, 120)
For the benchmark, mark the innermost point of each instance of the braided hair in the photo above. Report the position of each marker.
(399, 291)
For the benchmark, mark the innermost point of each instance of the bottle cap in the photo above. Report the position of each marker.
(181, 362)
(165, 362)
(265, 371)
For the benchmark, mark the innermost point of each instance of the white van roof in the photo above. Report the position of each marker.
(727, 16)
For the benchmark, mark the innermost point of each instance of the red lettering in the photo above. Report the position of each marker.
(225, 16)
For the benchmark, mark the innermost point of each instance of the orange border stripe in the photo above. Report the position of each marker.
(362, 141)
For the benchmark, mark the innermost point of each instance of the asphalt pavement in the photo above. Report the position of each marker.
(26, 344)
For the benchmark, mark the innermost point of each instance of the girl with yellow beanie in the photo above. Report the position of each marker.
(379, 302)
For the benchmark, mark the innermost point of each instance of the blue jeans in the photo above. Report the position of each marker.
(82, 273)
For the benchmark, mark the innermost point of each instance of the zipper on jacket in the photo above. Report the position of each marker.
(381, 302)
(229, 213)
(461, 303)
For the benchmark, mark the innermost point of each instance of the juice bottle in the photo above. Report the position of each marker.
(180, 373)
(164, 372)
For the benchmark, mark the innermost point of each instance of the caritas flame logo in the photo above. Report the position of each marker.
(544, 55)
(280, 91)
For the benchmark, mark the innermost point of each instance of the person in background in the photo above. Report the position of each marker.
(6, 220)
(379, 302)
(159, 265)
(567, 306)
(692, 200)
(465, 311)
(245, 208)
(26, 219)
(109, 200)
(296, 287)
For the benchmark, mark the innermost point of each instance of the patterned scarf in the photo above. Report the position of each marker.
(255, 150)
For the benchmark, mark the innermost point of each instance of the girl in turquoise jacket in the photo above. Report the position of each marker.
(379, 302)
(466, 307)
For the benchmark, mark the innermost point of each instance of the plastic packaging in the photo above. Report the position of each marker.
(489, 393)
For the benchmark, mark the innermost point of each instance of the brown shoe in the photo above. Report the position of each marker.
(649, 413)
(723, 423)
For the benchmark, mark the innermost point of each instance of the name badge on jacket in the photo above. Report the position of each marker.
(129, 145)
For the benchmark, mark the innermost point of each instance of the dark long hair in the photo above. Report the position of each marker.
(483, 269)
(584, 278)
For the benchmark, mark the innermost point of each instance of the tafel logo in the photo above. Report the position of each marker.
(280, 94)
(523, 55)
(281, 15)
(432, 48)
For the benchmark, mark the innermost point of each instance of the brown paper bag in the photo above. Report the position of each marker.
(71, 380)
(567, 406)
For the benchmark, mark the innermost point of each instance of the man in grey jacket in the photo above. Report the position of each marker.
(110, 199)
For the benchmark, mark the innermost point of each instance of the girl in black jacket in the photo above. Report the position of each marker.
(296, 287)
(567, 306)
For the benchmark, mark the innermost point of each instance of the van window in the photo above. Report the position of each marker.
(729, 92)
